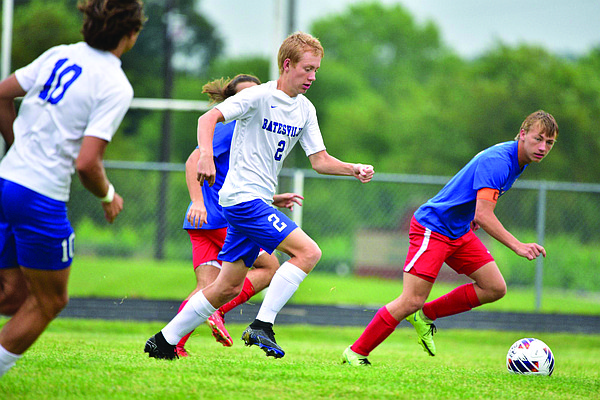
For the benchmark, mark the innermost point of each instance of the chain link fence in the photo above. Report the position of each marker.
(361, 228)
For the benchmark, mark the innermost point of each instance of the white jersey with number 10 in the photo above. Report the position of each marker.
(72, 91)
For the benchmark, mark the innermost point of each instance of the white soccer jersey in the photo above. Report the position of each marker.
(269, 123)
(72, 91)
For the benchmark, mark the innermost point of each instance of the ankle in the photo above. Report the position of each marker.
(424, 317)
(258, 324)
(162, 343)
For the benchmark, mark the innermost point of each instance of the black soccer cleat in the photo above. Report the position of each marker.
(158, 347)
(263, 338)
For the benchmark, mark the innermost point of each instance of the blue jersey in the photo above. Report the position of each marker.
(221, 149)
(451, 211)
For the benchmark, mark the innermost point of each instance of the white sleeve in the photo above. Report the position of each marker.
(27, 75)
(109, 110)
(311, 139)
(241, 104)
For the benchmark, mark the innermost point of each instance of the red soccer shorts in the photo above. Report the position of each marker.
(206, 245)
(428, 251)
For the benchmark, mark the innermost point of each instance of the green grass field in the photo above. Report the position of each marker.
(150, 279)
(91, 359)
(87, 359)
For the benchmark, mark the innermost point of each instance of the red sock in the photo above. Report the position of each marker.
(186, 337)
(247, 292)
(381, 326)
(461, 299)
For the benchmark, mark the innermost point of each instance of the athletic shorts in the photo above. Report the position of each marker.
(34, 230)
(253, 225)
(206, 245)
(428, 251)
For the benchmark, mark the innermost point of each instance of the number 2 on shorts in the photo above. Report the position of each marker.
(274, 219)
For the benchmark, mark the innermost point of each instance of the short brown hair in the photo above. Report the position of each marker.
(105, 22)
(220, 89)
(545, 120)
(295, 45)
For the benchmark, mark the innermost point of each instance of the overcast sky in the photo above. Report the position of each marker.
(467, 26)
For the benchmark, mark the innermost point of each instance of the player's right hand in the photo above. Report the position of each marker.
(206, 170)
(530, 251)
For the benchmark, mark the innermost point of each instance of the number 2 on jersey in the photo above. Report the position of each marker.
(61, 87)
(280, 148)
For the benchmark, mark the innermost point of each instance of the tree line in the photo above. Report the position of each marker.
(389, 91)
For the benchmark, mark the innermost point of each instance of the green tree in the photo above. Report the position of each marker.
(39, 25)
(382, 44)
(524, 79)
(374, 94)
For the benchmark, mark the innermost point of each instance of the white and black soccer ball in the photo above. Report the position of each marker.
(530, 356)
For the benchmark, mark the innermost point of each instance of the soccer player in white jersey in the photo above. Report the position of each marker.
(75, 97)
(271, 118)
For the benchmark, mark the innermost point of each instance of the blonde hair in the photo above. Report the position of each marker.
(295, 45)
(220, 89)
(546, 122)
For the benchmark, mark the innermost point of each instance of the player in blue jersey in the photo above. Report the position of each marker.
(271, 119)
(442, 231)
(75, 97)
(207, 226)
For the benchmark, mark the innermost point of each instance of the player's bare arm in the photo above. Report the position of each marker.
(196, 215)
(489, 222)
(206, 129)
(92, 175)
(326, 164)
(9, 90)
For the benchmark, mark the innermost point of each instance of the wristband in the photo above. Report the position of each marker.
(110, 195)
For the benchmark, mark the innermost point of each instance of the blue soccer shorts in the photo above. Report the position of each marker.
(34, 230)
(253, 225)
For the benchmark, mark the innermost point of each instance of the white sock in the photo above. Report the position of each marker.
(196, 311)
(283, 285)
(7, 360)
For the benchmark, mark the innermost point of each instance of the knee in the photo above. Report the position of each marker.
(499, 291)
(414, 303)
(495, 292)
(406, 305)
(54, 305)
(62, 302)
(313, 254)
(230, 292)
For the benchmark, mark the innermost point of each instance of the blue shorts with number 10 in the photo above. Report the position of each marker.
(253, 225)
(34, 229)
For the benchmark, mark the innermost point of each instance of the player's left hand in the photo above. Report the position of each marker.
(112, 209)
(287, 200)
(206, 170)
(363, 173)
(530, 251)
(197, 215)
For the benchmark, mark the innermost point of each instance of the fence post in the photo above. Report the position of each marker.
(299, 189)
(541, 228)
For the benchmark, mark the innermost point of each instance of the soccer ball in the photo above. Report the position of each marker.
(530, 357)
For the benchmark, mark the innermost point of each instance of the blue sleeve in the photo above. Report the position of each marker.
(491, 172)
(222, 138)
